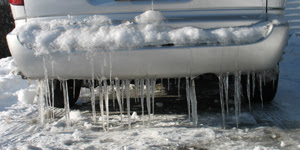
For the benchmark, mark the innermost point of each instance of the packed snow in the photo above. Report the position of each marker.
(269, 128)
(148, 29)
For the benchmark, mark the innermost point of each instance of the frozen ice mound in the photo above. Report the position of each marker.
(148, 29)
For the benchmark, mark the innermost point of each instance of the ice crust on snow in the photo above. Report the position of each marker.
(148, 29)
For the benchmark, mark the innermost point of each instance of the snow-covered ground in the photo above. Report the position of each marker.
(277, 126)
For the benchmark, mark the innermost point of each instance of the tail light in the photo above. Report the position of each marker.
(17, 2)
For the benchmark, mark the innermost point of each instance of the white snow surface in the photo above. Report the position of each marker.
(20, 127)
(148, 29)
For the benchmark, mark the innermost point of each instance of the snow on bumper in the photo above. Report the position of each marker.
(153, 61)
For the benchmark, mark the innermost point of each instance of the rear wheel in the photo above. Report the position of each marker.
(73, 94)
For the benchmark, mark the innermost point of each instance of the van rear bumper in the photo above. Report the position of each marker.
(157, 62)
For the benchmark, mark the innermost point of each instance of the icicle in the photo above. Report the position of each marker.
(112, 90)
(260, 89)
(123, 89)
(142, 99)
(41, 102)
(240, 93)
(264, 77)
(101, 91)
(52, 91)
(66, 103)
(74, 87)
(47, 98)
(148, 99)
(188, 97)
(47, 91)
(92, 87)
(253, 83)
(110, 67)
(248, 90)
(136, 82)
(178, 87)
(226, 87)
(152, 6)
(221, 89)
(153, 84)
(118, 93)
(127, 88)
(237, 97)
(162, 84)
(168, 84)
(194, 102)
(106, 103)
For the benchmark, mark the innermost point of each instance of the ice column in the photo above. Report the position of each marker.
(188, 97)
(226, 86)
(193, 100)
(148, 99)
(142, 99)
(221, 88)
(153, 84)
(66, 103)
(92, 87)
(106, 98)
(237, 98)
(118, 93)
(127, 88)
(101, 91)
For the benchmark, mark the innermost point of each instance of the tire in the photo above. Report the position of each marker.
(269, 86)
(59, 94)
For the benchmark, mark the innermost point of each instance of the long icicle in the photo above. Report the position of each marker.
(226, 87)
(188, 99)
(236, 97)
(112, 90)
(119, 97)
(249, 90)
(153, 84)
(41, 102)
(47, 93)
(52, 94)
(106, 98)
(253, 83)
(148, 100)
(142, 99)
(93, 100)
(127, 88)
(221, 89)
(66, 102)
(136, 87)
(74, 88)
(179, 87)
(260, 76)
(123, 89)
(101, 91)
(194, 102)
(240, 92)
(47, 98)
